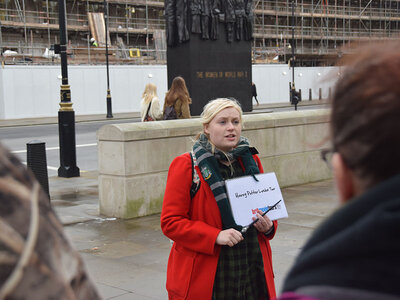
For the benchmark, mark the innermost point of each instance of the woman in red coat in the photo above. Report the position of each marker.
(210, 258)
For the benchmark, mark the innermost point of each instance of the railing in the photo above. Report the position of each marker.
(329, 10)
(137, 23)
(35, 17)
(130, 2)
(273, 51)
(308, 32)
(38, 55)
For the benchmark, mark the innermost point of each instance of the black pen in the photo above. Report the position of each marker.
(244, 229)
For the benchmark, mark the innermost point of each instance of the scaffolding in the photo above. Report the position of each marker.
(321, 29)
(28, 33)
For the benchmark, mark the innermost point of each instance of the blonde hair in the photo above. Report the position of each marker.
(149, 93)
(212, 108)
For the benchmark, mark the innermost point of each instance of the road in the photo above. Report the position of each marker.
(16, 138)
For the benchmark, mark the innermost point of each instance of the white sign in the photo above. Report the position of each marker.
(246, 195)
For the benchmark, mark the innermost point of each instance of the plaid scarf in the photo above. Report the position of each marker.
(207, 160)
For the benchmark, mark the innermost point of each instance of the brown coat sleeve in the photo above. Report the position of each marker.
(182, 109)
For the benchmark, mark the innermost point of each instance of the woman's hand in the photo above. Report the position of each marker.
(229, 237)
(264, 224)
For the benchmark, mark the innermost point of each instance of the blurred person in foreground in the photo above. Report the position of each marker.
(36, 259)
(355, 253)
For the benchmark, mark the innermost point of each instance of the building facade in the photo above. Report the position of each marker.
(321, 29)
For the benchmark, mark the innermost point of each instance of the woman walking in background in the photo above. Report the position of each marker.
(150, 105)
(177, 100)
(210, 258)
(254, 92)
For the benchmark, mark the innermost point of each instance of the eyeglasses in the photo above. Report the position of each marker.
(326, 156)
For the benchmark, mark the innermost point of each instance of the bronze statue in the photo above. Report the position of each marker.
(203, 16)
(176, 17)
(195, 12)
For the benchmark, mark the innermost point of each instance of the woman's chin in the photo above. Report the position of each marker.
(227, 148)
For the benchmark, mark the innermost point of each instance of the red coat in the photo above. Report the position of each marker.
(193, 225)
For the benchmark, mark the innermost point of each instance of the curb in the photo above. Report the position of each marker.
(135, 116)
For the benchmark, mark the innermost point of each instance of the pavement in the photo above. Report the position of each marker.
(127, 259)
(136, 115)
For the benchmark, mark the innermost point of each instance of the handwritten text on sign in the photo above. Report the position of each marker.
(246, 195)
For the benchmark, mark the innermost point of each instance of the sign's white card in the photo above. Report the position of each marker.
(246, 195)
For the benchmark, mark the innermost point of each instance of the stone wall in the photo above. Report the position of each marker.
(134, 158)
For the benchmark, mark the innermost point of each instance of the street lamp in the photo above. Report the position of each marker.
(295, 97)
(147, 28)
(293, 45)
(109, 108)
(66, 114)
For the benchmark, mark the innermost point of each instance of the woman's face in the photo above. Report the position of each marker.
(224, 129)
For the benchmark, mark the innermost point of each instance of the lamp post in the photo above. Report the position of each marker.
(293, 46)
(66, 114)
(147, 28)
(295, 96)
(109, 107)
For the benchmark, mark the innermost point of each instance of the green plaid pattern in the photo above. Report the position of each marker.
(240, 272)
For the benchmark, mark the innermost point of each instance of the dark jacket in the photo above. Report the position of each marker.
(357, 248)
(253, 90)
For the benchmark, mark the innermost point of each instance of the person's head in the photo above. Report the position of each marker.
(150, 92)
(222, 123)
(177, 91)
(178, 84)
(365, 120)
